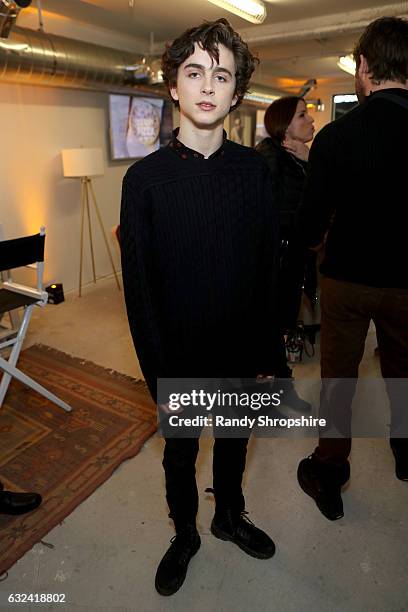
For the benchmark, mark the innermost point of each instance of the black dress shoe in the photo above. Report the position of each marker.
(172, 569)
(18, 503)
(323, 483)
(237, 528)
(401, 464)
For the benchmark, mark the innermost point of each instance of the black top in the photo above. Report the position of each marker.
(199, 251)
(357, 182)
(289, 174)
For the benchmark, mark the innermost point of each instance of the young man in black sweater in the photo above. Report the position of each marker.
(199, 238)
(356, 193)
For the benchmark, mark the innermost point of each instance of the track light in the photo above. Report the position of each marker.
(347, 63)
(260, 97)
(251, 10)
(306, 87)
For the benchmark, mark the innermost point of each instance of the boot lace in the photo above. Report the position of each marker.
(181, 546)
(244, 516)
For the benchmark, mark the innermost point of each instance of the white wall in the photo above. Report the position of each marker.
(37, 122)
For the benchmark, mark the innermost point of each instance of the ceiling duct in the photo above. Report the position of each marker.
(9, 10)
(38, 58)
(322, 27)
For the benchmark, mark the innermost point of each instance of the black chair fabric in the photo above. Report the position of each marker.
(21, 251)
(9, 300)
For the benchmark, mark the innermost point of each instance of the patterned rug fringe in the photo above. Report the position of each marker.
(93, 367)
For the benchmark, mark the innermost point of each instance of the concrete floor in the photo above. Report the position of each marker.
(106, 552)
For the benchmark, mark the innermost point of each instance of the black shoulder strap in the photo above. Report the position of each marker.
(393, 98)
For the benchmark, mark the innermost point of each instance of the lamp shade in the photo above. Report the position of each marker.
(82, 162)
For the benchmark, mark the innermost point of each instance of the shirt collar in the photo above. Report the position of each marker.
(185, 153)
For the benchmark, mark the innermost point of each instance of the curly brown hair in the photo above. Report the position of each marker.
(209, 35)
(384, 44)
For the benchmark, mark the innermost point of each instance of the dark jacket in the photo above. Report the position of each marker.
(288, 175)
(357, 189)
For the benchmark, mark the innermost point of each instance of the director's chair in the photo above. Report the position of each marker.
(17, 253)
(9, 321)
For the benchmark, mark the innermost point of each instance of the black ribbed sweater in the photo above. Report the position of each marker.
(199, 241)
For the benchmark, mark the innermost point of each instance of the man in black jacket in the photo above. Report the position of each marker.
(356, 193)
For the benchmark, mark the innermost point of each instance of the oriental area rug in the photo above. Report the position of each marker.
(65, 456)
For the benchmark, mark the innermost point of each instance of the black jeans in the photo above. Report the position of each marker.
(179, 460)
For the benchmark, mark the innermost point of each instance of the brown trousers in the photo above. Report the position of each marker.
(346, 311)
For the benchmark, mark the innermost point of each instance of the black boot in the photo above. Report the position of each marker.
(400, 452)
(18, 503)
(172, 569)
(236, 527)
(323, 483)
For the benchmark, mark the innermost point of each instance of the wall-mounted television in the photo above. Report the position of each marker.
(342, 103)
(138, 126)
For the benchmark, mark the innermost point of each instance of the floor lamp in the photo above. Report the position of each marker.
(85, 163)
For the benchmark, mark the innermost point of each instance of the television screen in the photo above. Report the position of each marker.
(138, 125)
(342, 103)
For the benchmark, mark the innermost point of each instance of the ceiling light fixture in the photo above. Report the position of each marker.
(251, 10)
(316, 105)
(347, 63)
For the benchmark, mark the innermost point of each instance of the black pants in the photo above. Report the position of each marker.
(347, 309)
(179, 460)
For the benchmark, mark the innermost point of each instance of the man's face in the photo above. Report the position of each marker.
(206, 90)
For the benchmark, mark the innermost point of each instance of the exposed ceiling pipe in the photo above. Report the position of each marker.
(39, 58)
(322, 32)
(40, 16)
(322, 27)
(9, 10)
